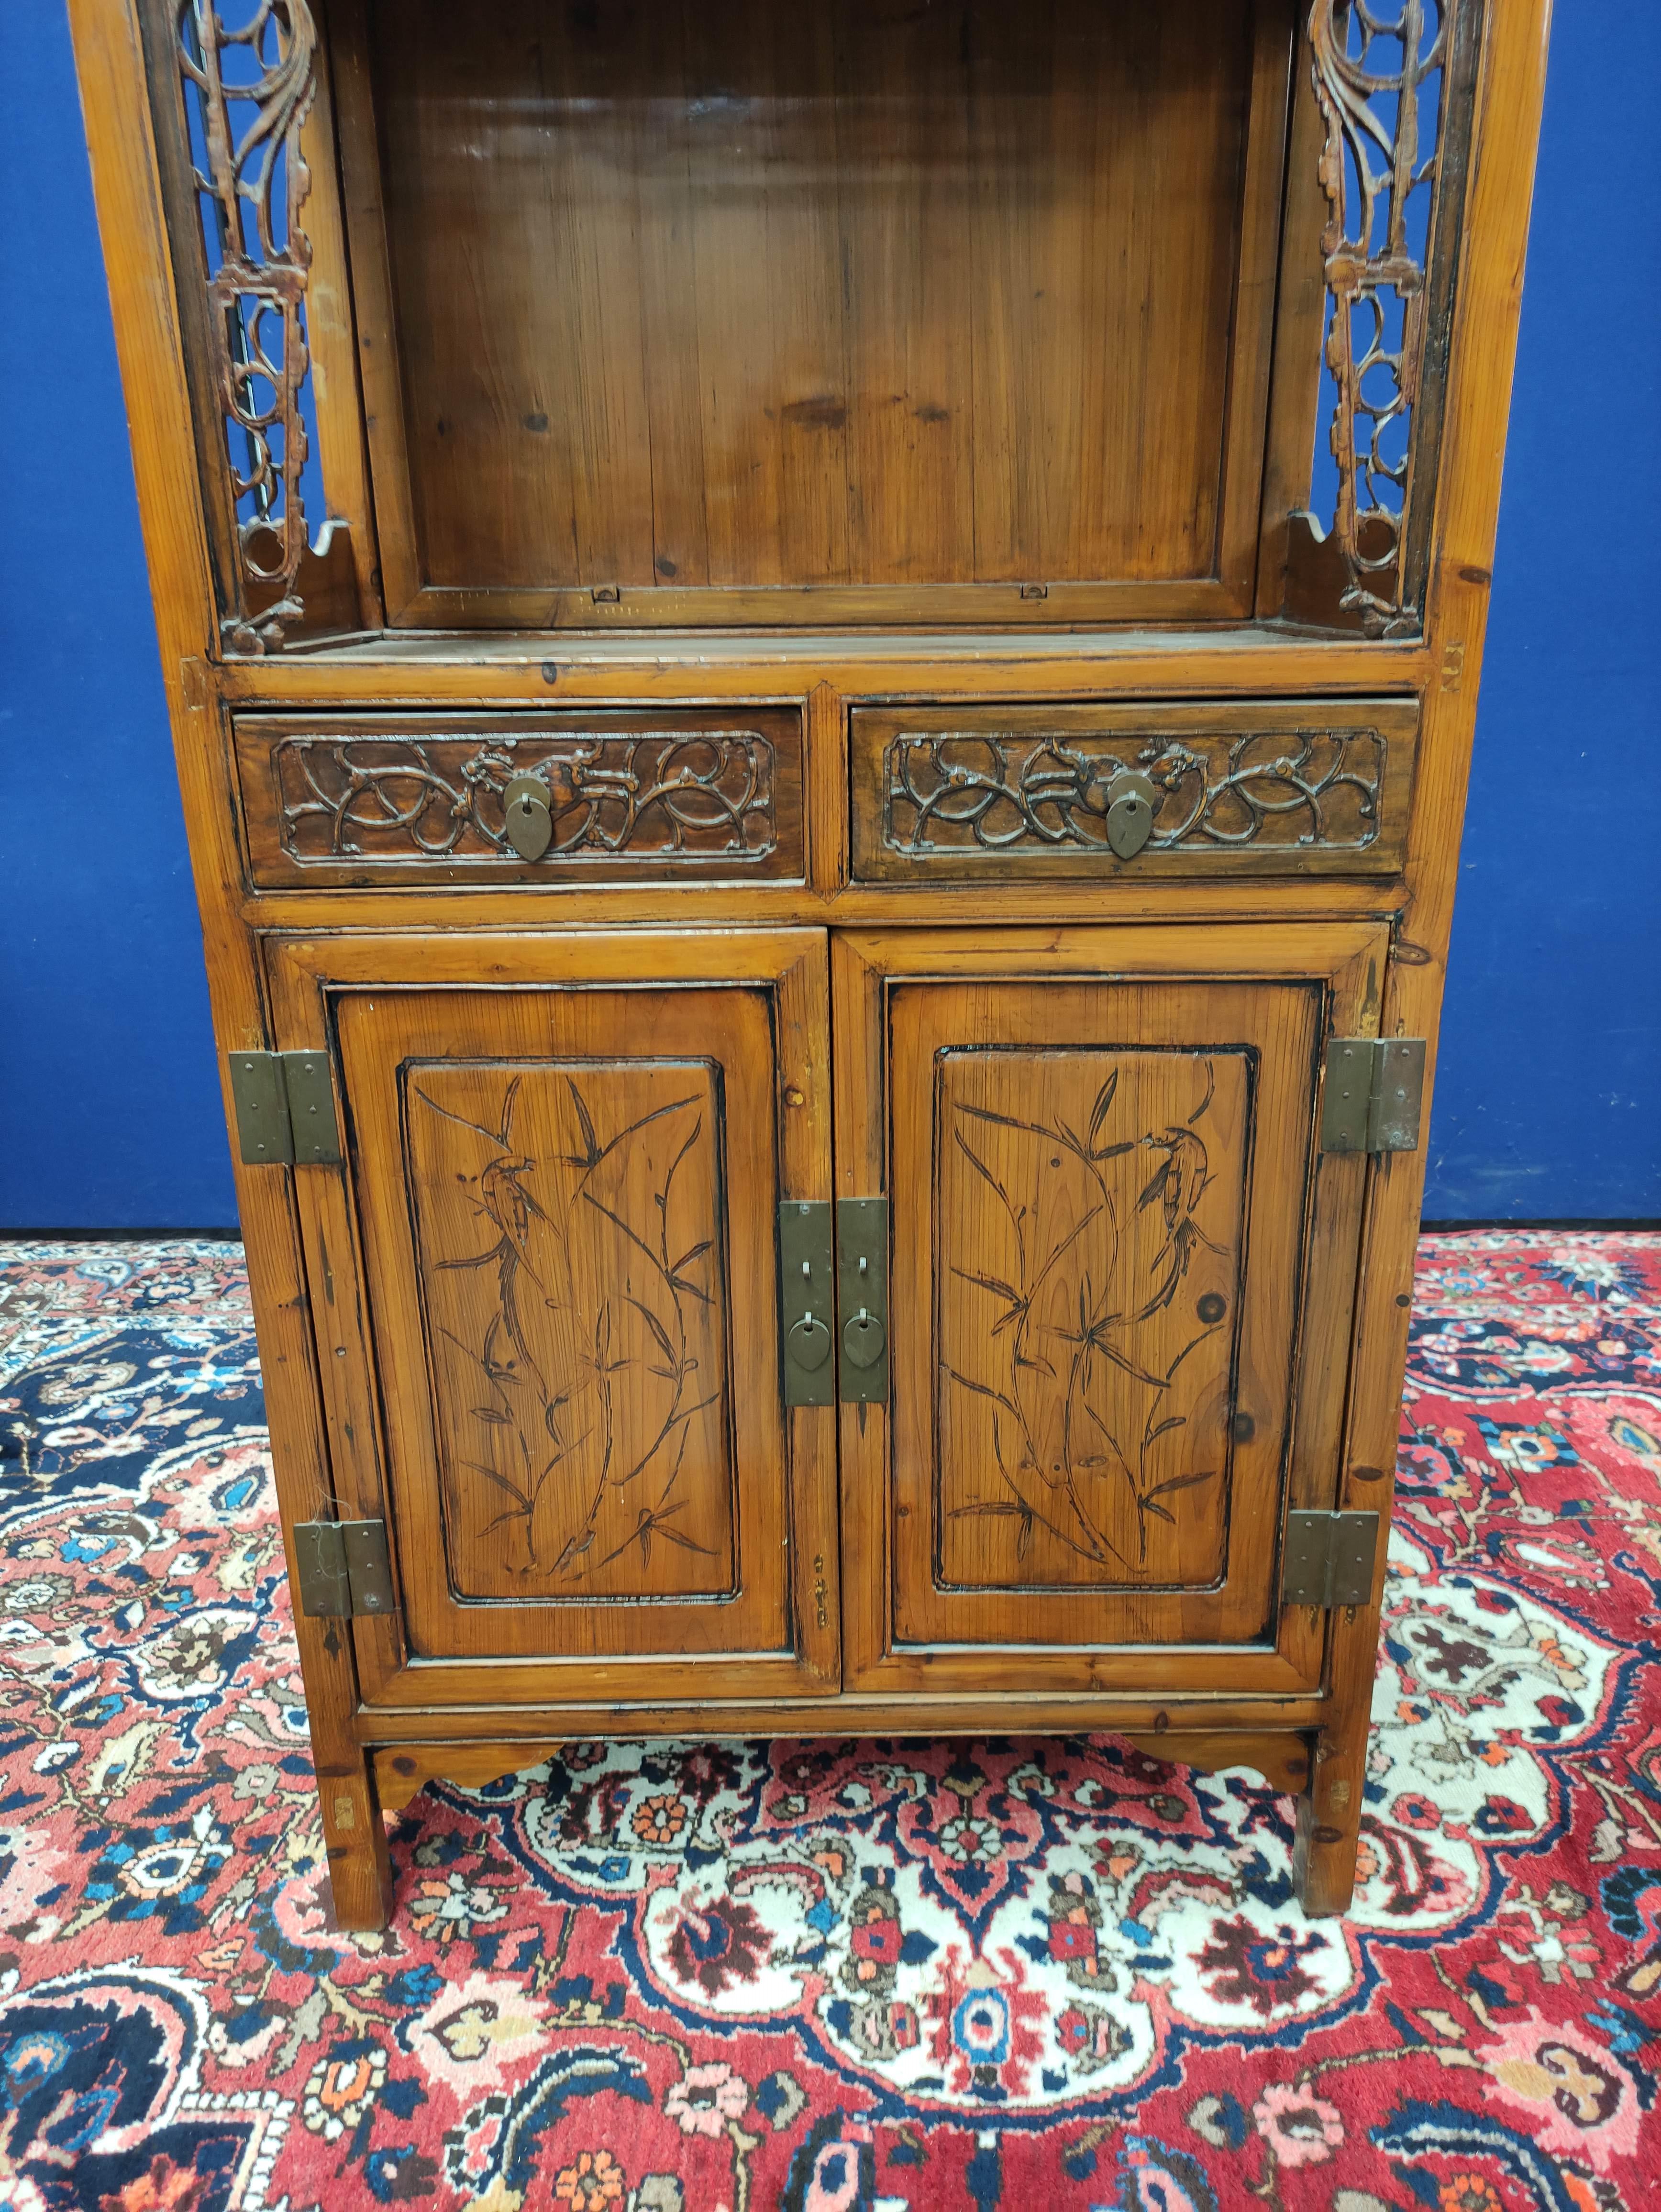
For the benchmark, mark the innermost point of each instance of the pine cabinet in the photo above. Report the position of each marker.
(822, 663)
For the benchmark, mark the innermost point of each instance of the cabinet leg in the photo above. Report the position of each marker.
(354, 1837)
(1328, 1824)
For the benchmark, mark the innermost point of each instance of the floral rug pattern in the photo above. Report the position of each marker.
(725, 1977)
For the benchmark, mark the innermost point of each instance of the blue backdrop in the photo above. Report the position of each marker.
(1549, 1099)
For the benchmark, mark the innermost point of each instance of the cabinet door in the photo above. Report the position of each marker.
(1121, 1278)
(547, 1265)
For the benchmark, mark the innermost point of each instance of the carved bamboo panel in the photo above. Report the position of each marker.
(566, 1183)
(1099, 1184)
(648, 797)
(1091, 1216)
(1286, 788)
(570, 1252)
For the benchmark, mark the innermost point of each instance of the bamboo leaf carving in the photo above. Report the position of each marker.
(1097, 1269)
(588, 1349)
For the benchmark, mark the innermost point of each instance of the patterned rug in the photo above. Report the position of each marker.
(817, 1976)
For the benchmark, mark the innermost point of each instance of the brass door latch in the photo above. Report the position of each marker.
(835, 1333)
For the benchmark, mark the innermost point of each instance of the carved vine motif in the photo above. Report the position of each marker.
(950, 792)
(1380, 75)
(675, 796)
(599, 1344)
(1075, 1355)
(249, 87)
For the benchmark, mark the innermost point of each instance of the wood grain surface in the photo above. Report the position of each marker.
(565, 1162)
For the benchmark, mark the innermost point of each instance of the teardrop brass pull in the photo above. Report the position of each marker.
(863, 1338)
(808, 1341)
(527, 806)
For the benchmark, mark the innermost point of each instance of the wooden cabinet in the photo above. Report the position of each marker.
(823, 663)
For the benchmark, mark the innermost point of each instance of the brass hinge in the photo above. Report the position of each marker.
(1373, 1094)
(285, 1114)
(345, 1568)
(1329, 1558)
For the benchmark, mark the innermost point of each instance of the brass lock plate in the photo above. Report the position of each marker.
(862, 1299)
(807, 1310)
(1131, 802)
(527, 807)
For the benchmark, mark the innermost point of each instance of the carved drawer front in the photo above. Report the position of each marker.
(1263, 788)
(695, 794)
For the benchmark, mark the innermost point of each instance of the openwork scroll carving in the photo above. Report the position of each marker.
(995, 791)
(676, 796)
(1382, 78)
(248, 87)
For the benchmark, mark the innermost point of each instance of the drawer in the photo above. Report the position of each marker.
(648, 798)
(1259, 787)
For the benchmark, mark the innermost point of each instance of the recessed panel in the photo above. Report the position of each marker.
(1098, 1167)
(568, 1218)
(1090, 1211)
(563, 1157)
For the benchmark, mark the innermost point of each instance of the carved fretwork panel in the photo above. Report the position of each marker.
(1091, 1207)
(570, 1241)
(686, 796)
(232, 88)
(1277, 788)
(1393, 78)
(1292, 789)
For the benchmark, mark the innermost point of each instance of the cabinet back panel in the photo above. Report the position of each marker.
(749, 296)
